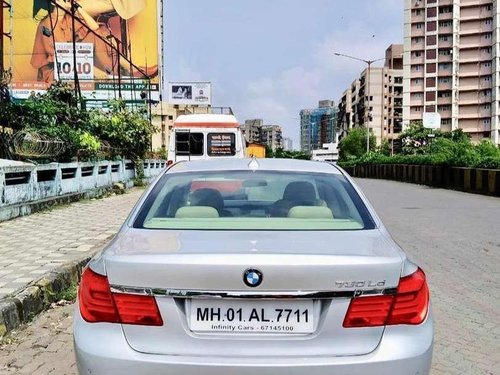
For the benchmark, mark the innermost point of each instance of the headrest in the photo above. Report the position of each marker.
(310, 212)
(299, 191)
(207, 197)
(196, 212)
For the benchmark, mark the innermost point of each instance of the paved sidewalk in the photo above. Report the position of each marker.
(33, 245)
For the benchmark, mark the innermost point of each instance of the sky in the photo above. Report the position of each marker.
(271, 58)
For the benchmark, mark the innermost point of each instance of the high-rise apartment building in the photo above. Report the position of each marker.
(451, 66)
(375, 99)
(255, 131)
(318, 126)
(272, 136)
(252, 130)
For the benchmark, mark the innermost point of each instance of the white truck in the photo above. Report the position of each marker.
(205, 136)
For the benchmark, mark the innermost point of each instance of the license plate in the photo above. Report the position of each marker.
(252, 316)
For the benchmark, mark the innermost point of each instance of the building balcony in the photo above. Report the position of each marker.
(445, 30)
(418, 59)
(446, 43)
(441, 86)
(445, 16)
(474, 3)
(476, 98)
(470, 56)
(416, 102)
(444, 100)
(469, 71)
(417, 74)
(417, 32)
(445, 114)
(446, 2)
(418, 19)
(445, 58)
(474, 13)
(473, 27)
(472, 112)
(417, 87)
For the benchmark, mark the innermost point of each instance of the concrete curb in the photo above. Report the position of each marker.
(37, 296)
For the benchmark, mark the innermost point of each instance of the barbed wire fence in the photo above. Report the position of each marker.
(32, 145)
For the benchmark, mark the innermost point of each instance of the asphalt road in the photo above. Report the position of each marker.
(454, 236)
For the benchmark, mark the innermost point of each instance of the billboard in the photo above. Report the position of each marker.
(190, 93)
(44, 47)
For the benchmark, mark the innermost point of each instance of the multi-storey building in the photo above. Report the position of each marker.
(252, 130)
(318, 126)
(272, 136)
(255, 131)
(375, 99)
(287, 144)
(451, 64)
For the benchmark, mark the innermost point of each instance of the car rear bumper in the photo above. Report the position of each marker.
(102, 349)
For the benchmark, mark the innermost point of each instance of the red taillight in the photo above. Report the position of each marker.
(99, 305)
(94, 297)
(411, 302)
(140, 310)
(408, 306)
(368, 311)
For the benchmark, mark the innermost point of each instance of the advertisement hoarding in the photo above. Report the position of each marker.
(190, 93)
(41, 48)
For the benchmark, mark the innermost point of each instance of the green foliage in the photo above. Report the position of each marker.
(354, 144)
(129, 131)
(453, 149)
(59, 115)
(287, 154)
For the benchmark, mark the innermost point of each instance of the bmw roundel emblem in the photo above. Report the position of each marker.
(252, 278)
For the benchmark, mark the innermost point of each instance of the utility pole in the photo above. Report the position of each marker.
(367, 112)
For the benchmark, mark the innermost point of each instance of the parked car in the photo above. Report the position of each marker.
(253, 266)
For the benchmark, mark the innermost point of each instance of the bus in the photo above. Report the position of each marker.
(205, 136)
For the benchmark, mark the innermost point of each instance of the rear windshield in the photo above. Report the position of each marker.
(246, 200)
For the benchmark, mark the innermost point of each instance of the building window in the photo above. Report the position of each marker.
(487, 79)
(487, 64)
(445, 23)
(419, 25)
(488, 21)
(444, 52)
(486, 106)
(432, 26)
(417, 53)
(486, 121)
(418, 39)
(431, 12)
(444, 38)
(430, 96)
(444, 66)
(431, 40)
(487, 36)
(488, 7)
(444, 80)
(431, 54)
(446, 9)
(431, 68)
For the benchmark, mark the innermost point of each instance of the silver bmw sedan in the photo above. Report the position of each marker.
(247, 266)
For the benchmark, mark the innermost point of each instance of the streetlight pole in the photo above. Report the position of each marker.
(367, 84)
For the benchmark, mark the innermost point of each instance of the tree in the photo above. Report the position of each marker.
(354, 144)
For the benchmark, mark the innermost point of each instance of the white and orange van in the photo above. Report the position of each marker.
(206, 136)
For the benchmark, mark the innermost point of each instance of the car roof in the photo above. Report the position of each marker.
(232, 164)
